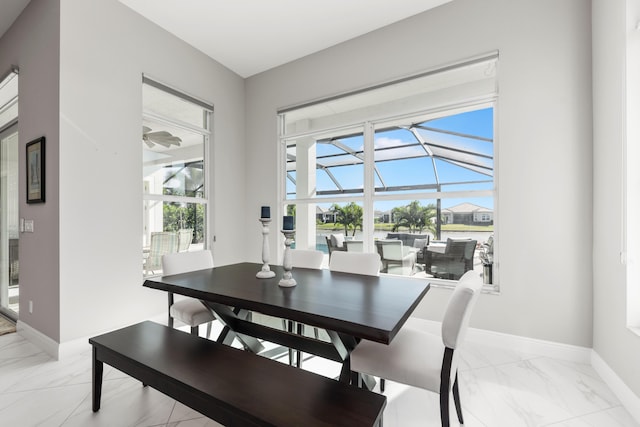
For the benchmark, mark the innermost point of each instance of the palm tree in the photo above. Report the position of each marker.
(415, 217)
(350, 216)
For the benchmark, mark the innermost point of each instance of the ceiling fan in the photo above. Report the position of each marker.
(161, 137)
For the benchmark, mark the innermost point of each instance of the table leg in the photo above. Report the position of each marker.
(226, 316)
(96, 380)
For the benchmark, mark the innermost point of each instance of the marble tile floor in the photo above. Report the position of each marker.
(498, 388)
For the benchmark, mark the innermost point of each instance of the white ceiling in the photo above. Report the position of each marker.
(251, 36)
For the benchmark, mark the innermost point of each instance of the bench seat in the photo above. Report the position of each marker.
(230, 386)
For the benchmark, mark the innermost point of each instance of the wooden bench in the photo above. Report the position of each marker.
(230, 386)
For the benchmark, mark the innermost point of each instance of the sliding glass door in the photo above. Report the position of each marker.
(9, 222)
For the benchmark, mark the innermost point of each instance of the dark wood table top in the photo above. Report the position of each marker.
(368, 307)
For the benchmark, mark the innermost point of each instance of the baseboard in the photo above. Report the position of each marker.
(73, 347)
(63, 350)
(527, 345)
(627, 397)
(38, 339)
(572, 353)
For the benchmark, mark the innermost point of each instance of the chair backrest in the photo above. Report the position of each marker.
(421, 243)
(161, 243)
(305, 258)
(337, 240)
(185, 236)
(456, 317)
(462, 249)
(354, 245)
(392, 250)
(182, 262)
(356, 263)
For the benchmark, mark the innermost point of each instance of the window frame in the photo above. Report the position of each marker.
(368, 198)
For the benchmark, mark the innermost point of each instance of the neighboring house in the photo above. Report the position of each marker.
(467, 214)
(383, 217)
(325, 215)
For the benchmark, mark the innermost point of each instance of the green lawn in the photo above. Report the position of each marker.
(389, 227)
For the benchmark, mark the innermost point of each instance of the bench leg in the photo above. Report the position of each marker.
(96, 381)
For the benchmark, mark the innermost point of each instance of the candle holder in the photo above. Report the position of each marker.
(266, 272)
(287, 280)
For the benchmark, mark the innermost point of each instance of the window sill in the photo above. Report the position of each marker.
(450, 284)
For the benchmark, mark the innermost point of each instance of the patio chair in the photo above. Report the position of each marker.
(335, 242)
(396, 258)
(185, 236)
(421, 359)
(354, 245)
(161, 243)
(456, 260)
(188, 310)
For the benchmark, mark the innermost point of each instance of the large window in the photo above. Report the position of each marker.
(410, 161)
(175, 143)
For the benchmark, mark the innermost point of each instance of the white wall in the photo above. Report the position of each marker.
(105, 48)
(32, 44)
(544, 149)
(614, 25)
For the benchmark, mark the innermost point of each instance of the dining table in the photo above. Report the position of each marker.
(349, 307)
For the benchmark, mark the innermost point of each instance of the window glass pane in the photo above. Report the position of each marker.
(325, 168)
(344, 219)
(415, 223)
(172, 166)
(452, 153)
(171, 227)
(175, 216)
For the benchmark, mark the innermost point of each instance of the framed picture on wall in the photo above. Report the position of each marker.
(35, 171)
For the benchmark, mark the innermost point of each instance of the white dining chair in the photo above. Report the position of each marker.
(303, 258)
(188, 310)
(421, 359)
(356, 263)
(306, 258)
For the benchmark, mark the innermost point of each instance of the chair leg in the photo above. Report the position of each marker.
(445, 386)
(444, 408)
(194, 330)
(382, 385)
(456, 400)
(170, 302)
